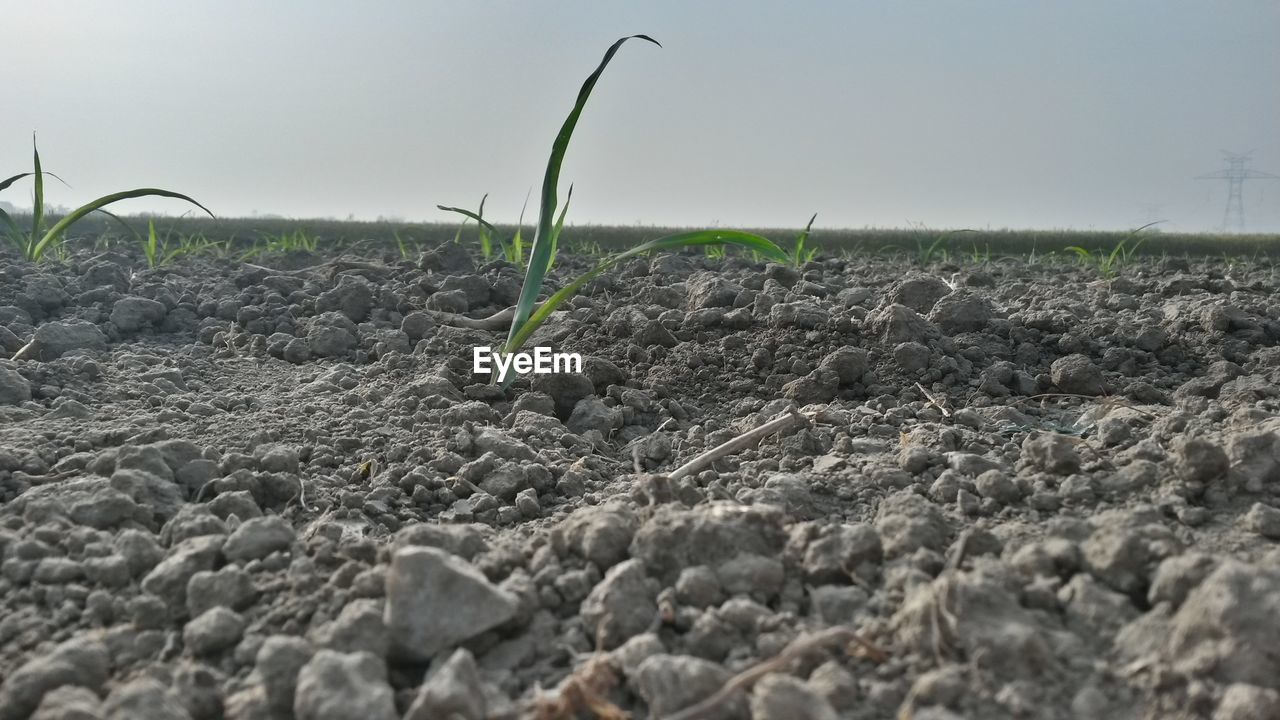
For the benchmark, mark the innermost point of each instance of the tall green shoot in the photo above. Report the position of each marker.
(41, 239)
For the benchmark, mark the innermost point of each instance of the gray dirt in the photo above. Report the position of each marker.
(228, 491)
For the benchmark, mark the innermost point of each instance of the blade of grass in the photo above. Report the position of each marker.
(517, 242)
(485, 232)
(798, 257)
(61, 226)
(540, 254)
(11, 228)
(469, 214)
(559, 227)
(37, 202)
(149, 248)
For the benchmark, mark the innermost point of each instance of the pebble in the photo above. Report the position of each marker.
(436, 600)
(344, 686)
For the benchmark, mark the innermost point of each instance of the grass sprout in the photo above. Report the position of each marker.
(1108, 264)
(927, 251)
(799, 253)
(41, 239)
(512, 248)
(528, 314)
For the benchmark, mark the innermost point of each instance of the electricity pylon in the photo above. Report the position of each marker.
(1235, 174)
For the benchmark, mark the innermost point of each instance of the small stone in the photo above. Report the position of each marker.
(1226, 626)
(1248, 702)
(1198, 460)
(69, 702)
(453, 691)
(918, 291)
(819, 386)
(698, 587)
(257, 538)
(144, 698)
(1051, 452)
(592, 414)
(169, 579)
(57, 571)
(338, 686)
(997, 485)
(782, 697)
(527, 503)
(848, 363)
(837, 604)
(912, 356)
(897, 324)
(417, 325)
(78, 662)
(565, 389)
(1124, 556)
(14, 388)
(277, 458)
(212, 632)
(1076, 374)
(277, 665)
(671, 682)
(54, 339)
(358, 628)
(621, 605)
(1177, 575)
(632, 653)
(1262, 519)
(436, 600)
(655, 333)
(131, 313)
(838, 552)
(352, 297)
(751, 574)
(962, 311)
(228, 587)
(907, 522)
(803, 314)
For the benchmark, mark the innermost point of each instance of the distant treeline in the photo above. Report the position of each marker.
(607, 238)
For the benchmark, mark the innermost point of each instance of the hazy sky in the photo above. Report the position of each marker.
(973, 113)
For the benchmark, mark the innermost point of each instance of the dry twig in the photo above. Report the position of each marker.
(786, 421)
(934, 400)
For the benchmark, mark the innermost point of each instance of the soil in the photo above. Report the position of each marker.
(1016, 490)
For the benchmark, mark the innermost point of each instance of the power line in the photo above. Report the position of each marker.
(1235, 174)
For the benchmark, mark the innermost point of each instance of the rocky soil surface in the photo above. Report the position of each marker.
(1020, 491)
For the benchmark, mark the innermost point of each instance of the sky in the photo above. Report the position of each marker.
(1089, 114)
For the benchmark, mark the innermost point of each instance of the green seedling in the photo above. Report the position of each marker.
(157, 251)
(799, 253)
(529, 315)
(402, 245)
(559, 228)
(41, 239)
(1108, 264)
(587, 248)
(980, 256)
(926, 252)
(513, 248)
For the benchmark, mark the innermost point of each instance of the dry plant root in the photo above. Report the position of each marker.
(786, 421)
(935, 400)
(583, 691)
(500, 320)
(797, 648)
